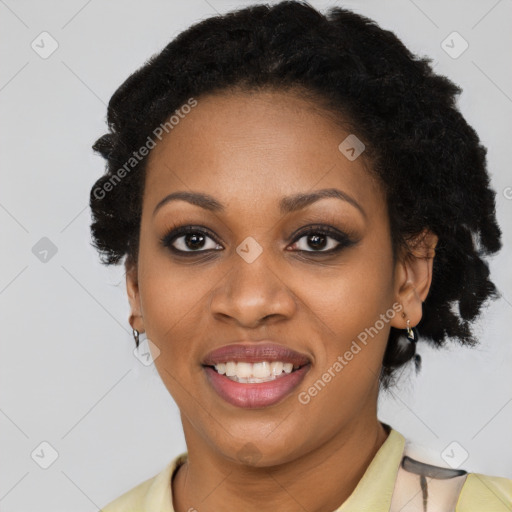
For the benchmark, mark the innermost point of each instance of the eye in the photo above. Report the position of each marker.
(190, 239)
(321, 239)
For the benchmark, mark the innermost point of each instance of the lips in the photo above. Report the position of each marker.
(254, 353)
(223, 368)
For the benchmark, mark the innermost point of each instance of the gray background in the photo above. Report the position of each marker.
(68, 373)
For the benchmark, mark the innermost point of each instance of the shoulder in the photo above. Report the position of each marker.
(153, 494)
(484, 492)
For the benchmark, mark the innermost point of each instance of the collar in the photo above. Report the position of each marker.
(373, 492)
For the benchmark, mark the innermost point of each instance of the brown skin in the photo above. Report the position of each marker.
(248, 150)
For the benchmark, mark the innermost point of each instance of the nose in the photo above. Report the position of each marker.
(252, 294)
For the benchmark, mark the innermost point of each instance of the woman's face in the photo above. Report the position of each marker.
(249, 275)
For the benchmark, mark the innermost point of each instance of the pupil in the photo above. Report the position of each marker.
(315, 241)
(194, 240)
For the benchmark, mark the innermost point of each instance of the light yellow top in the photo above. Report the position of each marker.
(373, 493)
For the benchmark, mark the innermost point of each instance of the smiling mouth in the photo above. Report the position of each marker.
(254, 373)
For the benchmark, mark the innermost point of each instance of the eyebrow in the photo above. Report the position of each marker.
(287, 204)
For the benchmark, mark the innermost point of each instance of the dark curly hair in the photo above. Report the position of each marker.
(430, 162)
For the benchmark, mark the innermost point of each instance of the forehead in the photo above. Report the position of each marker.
(256, 147)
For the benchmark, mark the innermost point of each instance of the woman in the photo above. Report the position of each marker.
(296, 199)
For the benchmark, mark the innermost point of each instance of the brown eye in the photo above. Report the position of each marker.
(190, 239)
(322, 239)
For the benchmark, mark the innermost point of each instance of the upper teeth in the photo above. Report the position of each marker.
(253, 372)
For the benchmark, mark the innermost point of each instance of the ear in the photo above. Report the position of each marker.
(132, 288)
(413, 277)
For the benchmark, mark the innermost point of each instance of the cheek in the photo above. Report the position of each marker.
(171, 300)
(354, 306)
(170, 309)
(355, 293)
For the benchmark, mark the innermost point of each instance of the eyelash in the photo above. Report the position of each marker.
(343, 239)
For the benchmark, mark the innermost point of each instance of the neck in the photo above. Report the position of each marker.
(209, 482)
